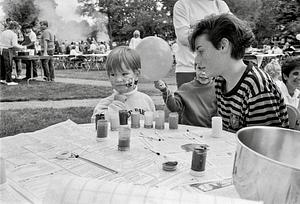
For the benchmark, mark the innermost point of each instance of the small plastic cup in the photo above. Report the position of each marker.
(173, 120)
(160, 120)
(135, 119)
(124, 138)
(148, 119)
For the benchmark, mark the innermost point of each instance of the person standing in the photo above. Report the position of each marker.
(47, 46)
(9, 43)
(186, 14)
(135, 40)
(29, 42)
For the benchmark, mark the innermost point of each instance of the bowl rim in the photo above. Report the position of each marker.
(261, 155)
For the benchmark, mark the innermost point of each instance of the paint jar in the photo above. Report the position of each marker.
(148, 119)
(114, 121)
(135, 119)
(97, 117)
(173, 120)
(102, 129)
(123, 117)
(216, 125)
(124, 138)
(160, 120)
(198, 161)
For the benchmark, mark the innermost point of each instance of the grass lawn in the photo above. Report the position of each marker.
(28, 120)
(39, 90)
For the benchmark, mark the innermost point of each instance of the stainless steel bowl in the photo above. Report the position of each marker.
(267, 164)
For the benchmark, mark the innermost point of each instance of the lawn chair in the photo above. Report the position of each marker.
(78, 62)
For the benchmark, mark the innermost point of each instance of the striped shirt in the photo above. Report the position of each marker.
(255, 100)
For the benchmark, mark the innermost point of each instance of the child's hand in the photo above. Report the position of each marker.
(120, 97)
(160, 85)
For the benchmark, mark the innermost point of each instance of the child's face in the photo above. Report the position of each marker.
(123, 81)
(201, 75)
(293, 80)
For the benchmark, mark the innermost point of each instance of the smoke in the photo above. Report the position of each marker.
(63, 20)
(68, 26)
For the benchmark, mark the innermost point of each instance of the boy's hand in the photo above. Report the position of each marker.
(120, 97)
(160, 85)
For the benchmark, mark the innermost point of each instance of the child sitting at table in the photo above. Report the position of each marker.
(123, 68)
(195, 101)
(273, 68)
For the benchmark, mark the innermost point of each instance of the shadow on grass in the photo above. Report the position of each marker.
(102, 75)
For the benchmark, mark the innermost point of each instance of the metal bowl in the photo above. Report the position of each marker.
(267, 164)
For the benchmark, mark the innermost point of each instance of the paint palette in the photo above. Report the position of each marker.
(169, 166)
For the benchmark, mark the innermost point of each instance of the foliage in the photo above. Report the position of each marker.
(288, 18)
(149, 16)
(24, 11)
(266, 23)
(269, 18)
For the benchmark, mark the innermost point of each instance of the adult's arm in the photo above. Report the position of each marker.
(15, 43)
(181, 23)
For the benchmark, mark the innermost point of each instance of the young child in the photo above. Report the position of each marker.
(246, 96)
(273, 68)
(194, 101)
(290, 84)
(123, 68)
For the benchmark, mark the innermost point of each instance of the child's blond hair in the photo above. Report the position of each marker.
(123, 54)
(273, 68)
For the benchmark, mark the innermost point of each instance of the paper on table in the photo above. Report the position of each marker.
(34, 162)
(82, 190)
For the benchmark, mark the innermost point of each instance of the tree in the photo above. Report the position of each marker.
(123, 17)
(24, 11)
(288, 18)
(111, 8)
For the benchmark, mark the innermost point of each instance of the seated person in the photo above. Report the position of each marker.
(290, 84)
(74, 51)
(246, 96)
(273, 68)
(123, 68)
(194, 101)
(276, 49)
(288, 47)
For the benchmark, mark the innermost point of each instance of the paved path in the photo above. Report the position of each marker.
(73, 103)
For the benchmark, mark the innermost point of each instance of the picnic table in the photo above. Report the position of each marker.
(81, 61)
(32, 159)
(31, 58)
(262, 59)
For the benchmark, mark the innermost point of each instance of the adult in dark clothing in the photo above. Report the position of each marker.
(8, 43)
(29, 42)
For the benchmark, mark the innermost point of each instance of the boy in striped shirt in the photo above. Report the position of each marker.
(246, 95)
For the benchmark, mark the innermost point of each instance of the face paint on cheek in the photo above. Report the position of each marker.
(130, 82)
